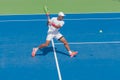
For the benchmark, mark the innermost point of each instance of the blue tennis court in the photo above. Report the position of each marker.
(98, 52)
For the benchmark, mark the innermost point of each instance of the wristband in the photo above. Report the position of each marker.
(53, 24)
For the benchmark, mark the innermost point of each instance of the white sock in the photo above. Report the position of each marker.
(37, 48)
(70, 52)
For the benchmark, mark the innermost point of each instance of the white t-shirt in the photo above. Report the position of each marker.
(56, 22)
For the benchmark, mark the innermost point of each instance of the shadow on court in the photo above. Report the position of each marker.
(46, 50)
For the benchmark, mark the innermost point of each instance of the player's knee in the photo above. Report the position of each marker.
(46, 44)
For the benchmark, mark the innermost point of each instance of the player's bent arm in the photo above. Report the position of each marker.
(48, 18)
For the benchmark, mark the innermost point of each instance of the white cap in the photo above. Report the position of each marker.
(61, 14)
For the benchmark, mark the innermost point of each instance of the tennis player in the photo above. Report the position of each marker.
(54, 25)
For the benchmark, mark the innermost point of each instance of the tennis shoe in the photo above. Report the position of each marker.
(73, 54)
(34, 52)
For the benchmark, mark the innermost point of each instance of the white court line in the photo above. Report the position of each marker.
(66, 13)
(116, 18)
(22, 20)
(109, 42)
(56, 60)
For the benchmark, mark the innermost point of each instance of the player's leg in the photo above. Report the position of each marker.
(40, 47)
(45, 44)
(48, 39)
(64, 41)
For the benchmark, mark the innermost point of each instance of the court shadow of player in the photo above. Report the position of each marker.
(47, 50)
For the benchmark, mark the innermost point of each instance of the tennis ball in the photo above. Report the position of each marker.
(100, 31)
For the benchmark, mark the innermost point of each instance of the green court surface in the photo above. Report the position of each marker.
(68, 6)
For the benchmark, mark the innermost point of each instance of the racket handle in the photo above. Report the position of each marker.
(47, 14)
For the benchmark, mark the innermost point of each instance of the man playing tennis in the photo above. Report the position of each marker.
(54, 25)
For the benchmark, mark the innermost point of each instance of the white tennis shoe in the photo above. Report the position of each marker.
(34, 52)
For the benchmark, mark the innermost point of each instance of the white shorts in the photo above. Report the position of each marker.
(57, 35)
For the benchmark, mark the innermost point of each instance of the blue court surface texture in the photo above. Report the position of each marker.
(98, 52)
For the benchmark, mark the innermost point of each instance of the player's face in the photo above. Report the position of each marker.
(60, 17)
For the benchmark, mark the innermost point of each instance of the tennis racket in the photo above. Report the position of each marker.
(47, 14)
(46, 10)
